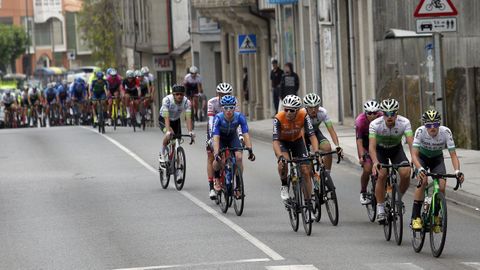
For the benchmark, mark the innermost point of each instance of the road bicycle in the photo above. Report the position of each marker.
(231, 179)
(370, 194)
(175, 164)
(393, 205)
(324, 192)
(100, 115)
(434, 216)
(296, 204)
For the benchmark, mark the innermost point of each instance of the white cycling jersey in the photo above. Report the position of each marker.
(390, 137)
(322, 116)
(172, 110)
(433, 146)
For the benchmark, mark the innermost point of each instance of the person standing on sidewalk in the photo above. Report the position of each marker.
(371, 112)
(290, 83)
(428, 144)
(276, 77)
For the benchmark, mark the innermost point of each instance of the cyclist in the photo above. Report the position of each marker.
(318, 115)
(225, 134)
(34, 99)
(172, 107)
(214, 108)
(289, 128)
(23, 104)
(9, 101)
(193, 85)
(430, 139)
(98, 92)
(63, 98)
(114, 87)
(50, 95)
(146, 88)
(131, 89)
(371, 112)
(385, 139)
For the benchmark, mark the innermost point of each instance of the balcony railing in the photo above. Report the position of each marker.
(222, 3)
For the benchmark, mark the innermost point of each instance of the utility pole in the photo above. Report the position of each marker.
(439, 83)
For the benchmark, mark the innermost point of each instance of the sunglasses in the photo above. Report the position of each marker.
(432, 125)
(371, 113)
(178, 94)
(291, 110)
(390, 114)
(229, 108)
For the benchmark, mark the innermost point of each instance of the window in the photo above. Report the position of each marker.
(27, 23)
(42, 34)
(57, 32)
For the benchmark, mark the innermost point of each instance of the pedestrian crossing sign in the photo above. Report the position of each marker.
(247, 43)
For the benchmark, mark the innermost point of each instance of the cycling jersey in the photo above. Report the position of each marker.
(114, 83)
(390, 137)
(144, 85)
(50, 95)
(62, 92)
(362, 128)
(321, 116)
(285, 130)
(224, 127)
(432, 146)
(78, 90)
(130, 87)
(172, 110)
(34, 95)
(191, 84)
(214, 107)
(8, 100)
(99, 86)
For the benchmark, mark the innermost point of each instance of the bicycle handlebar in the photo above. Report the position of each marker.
(339, 157)
(223, 150)
(438, 175)
(394, 166)
(182, 135)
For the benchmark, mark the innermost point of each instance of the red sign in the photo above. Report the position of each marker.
(435, 8)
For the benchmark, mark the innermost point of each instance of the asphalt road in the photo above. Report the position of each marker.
(72, 199)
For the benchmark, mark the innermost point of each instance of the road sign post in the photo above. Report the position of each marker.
(439, 84)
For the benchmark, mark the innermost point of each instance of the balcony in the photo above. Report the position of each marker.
(203, 4)
(46, 9)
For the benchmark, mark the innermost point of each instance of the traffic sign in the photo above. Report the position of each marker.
(435, 8)
(432, 25)
(247, 43)
(71, 55)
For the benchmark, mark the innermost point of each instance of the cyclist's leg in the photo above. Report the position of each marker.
(324, 146)
(382, 156)
(418, 197)
(367, 171)
(405, 172)
(299, 150)
(437, 165)
(209, 149)
(282, 167)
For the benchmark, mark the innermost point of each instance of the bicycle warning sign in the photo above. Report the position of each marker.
(435, 8)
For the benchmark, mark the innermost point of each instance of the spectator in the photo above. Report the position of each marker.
(276, 77)
(290, 83)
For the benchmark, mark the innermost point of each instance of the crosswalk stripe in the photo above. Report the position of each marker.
(292, 267)
(394, 266)
(474, 265)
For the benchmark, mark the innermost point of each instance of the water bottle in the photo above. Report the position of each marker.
(228, 174)
(426, 203)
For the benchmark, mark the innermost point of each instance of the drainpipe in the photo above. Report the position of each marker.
(339, 77)
(135, 30)
(351, 51)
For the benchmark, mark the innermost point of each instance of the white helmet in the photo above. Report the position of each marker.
(193, 69)
(224, 88)
(371, 106)
(145, 70)
(312, 100)
(292, 101)
(389, 105)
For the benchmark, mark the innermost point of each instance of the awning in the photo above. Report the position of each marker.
(56, 70)
(181, 49)
(43, 71)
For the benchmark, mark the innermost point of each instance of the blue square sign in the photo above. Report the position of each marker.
(247, 43)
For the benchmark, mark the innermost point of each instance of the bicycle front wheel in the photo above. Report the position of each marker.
(292, 205)
(317, 206)
(397, 214)
(418, 236)
(387, 225)
(330, 199)
(238, 192)
(306, 213)
(180, 168)
(438, 221)
(372, 206)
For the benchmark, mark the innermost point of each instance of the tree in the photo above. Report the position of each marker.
(13, 43)
(100, 24)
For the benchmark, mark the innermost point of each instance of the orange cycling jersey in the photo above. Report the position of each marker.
(285, 130)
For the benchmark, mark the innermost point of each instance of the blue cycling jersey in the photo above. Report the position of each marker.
(62, 92)
(78, 89)
(50, 94)
(223, 127)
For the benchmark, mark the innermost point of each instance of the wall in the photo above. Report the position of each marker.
(180, 23)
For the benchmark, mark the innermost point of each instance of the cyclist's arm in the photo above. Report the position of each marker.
(188, 115)
(410, 142)
(455, 161)
(360, 150)
(199, 87)
(276, 137)
(310, 132)
(248, 142)
(332, 132)
(372, 148)
(415, 157)
(29, 100)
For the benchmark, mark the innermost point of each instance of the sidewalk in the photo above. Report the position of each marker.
(468, 194)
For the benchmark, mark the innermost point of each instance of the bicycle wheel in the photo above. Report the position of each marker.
(330, 199)
(114, 115)
(180, 168)
(387, 225)
(317, 206)
(292, 205)
(163, 171)
(306, 213)
(222, 196)
(397, 214)
(372, 206)
(438, 221)
(418, 236)
(238, 192)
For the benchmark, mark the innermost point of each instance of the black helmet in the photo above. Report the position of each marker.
(178, 88)
(431, 116)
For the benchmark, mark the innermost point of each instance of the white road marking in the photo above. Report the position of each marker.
(195, 264)
(292, 267)
(474, 265)
(394, 266)
(247, 236)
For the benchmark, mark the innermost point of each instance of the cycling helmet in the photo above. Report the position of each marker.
(108, 71)
(7, 92)
(228, 100)
(431, 116)
(371, 106)
(130, 73)
(138, 73)
(99, 75)
(224, 88)
(389, 105)
(292, 101)
(311, 100)
(178, 88)
(145, 70)
(79, 80)
(193, 69)
(49, 85)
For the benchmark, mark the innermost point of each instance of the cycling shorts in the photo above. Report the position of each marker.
(396, 155)
(297, 148)
(320, 138)
(230, 141)
(113, 90)
(434, 164)
(175, 125)
(99, 96)
(132, 93)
